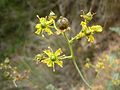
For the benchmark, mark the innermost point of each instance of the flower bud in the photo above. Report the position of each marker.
(52, 16)
(88, 16)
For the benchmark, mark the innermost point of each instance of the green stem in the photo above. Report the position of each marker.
(55, 25)
(71, 41)
(74, 61)
(14, 82)
(65, 57)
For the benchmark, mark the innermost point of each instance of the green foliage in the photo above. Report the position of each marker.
(116, 30)
(15, 18)
(115, 81)
(51, 87)
(11, 73)
(107, 67)
(13, 24)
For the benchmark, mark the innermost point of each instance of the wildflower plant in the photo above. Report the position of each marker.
(110, 69)
(87, 31)
(51, 26)
(10, 72)
(51, 58)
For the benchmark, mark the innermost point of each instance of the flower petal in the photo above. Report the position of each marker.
(38, 57)
(60, 63)
(48, 62)
(97, 28)
(58, 52)
(38, 31)
(49, 22)
(83, 23)
(48, 52)
(84, 26)
(38, 26)
(91, 38)
(49, 32)
(43, 20)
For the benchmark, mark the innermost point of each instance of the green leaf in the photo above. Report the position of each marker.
(115, 29)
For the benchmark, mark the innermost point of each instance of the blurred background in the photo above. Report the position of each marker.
(19, 43)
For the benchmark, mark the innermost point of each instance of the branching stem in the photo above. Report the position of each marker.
(74, 61)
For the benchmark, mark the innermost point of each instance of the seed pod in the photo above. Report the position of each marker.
(63, 23)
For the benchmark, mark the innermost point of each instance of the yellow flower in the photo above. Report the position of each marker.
(100, 65)
(88, 31)
(90, 38)
(88, 65)
(38, 58)
(96, 28)
(51, 58)
(116, 82)
(84, 26)
(88, 16)
(44, 26)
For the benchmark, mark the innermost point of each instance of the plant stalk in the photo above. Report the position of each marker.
(74, 61)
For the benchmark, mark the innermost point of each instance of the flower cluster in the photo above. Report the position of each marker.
(11, 73)
(47, 24)
(88, 31)
(51, 58)
(116, 81)
(98, 66)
